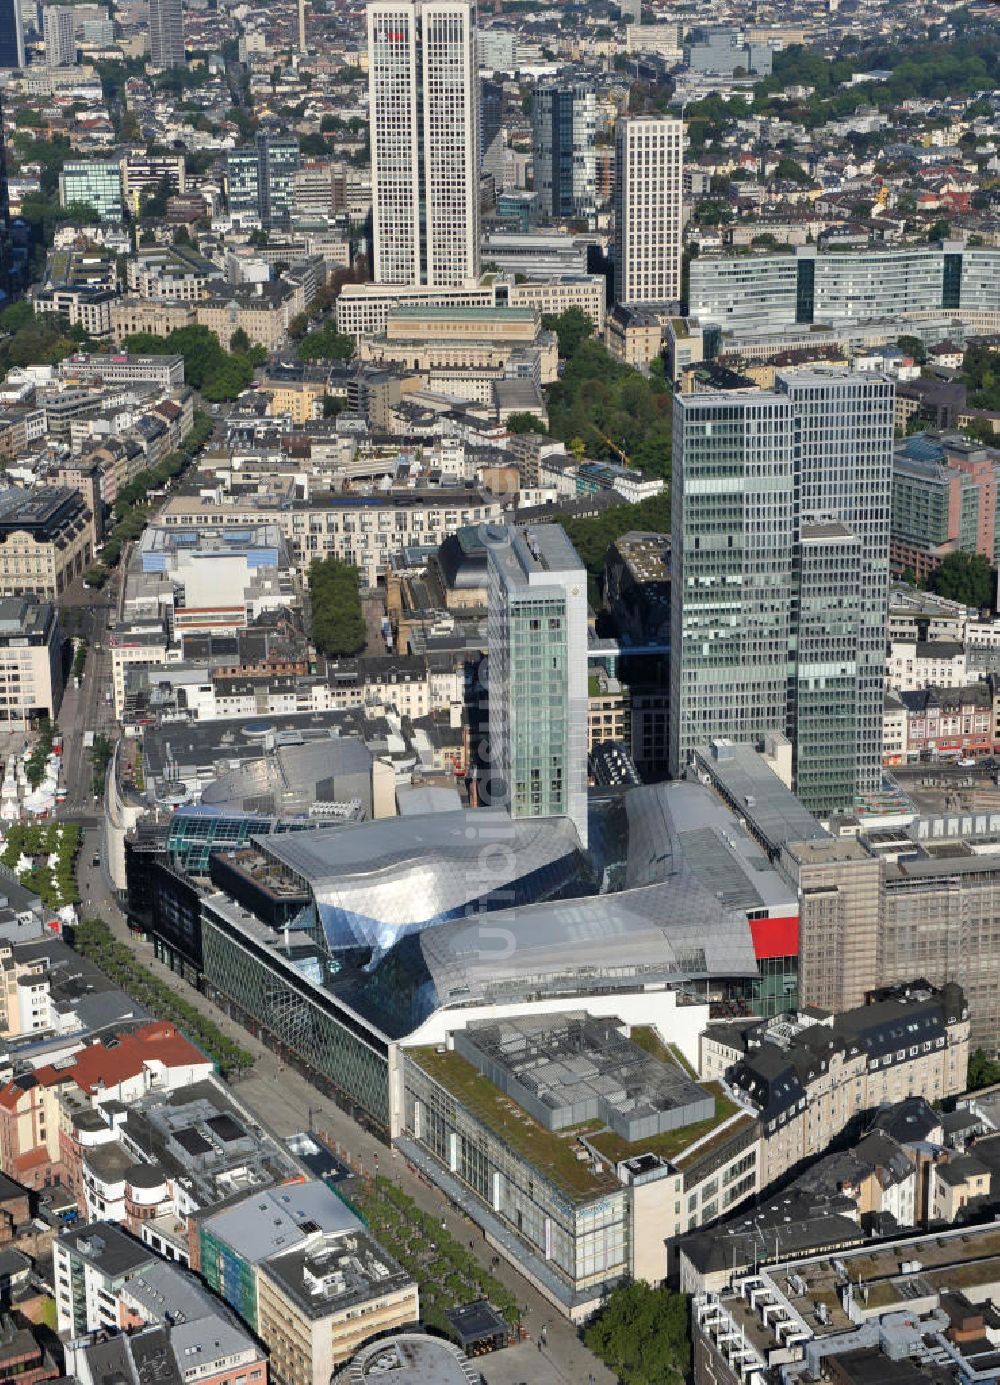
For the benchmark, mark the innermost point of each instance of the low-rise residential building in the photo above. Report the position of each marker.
(814, 1080)
(633, 333)
(359, 528)
(794, 1290)
(124, 1309)
(30, 1119)
(949, 722)
(174, 272)
(912, 665)
(81, 306)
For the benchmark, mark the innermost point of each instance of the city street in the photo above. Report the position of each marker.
(86, 708)
(286, 1103)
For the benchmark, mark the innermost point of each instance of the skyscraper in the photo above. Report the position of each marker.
(733, 525)
(5, 249)
(537, 641)
(11, 34)
(649, 189)
(491, 143)
(58, 32)
(424, 119)
(259, 178)
(564, 117)
(780, 565)
(166, 33)
(843, 471)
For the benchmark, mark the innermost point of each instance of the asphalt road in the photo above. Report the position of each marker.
(86, 708)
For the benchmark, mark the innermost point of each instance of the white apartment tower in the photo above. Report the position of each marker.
(649, 189)
(424, 121)
(59, 34)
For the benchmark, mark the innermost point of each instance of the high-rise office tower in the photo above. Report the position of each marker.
(564, 117)
(5, 249)
(424, 122)
(537, 641)
(733, 524)
(11, 34)
(649, 190)
(166, 33)
(59, 35)
(843, 435)
(491, 142)
(260, 178)
(780, 565)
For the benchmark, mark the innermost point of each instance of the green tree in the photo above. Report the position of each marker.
(572, 328)
(984, 1071)
(338, 624)
(642, 1335)
(964, 577)
(940, 230)
(790, 171)
(525, 423)
(229, 379)
(913, 346)
(325, 344)
(239, 341)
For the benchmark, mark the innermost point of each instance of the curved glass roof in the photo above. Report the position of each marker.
(374, 882)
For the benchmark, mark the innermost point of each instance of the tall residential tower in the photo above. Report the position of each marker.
(60, 37)
(424, 122)
(649, 217)
(166, 33)
(537, 640)
(780, 566)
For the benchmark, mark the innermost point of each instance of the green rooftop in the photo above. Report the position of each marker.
(554, 1153)
(550, 1153)
(673, 1144)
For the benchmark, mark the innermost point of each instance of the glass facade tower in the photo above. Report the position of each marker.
(260, 179)
(166, 33)
(733, 524)
(537, 639)
(565, 155)
(780, 575)
(11, 34)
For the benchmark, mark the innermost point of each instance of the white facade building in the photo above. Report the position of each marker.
(649, 187)
(60, 41)
(424, 120)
